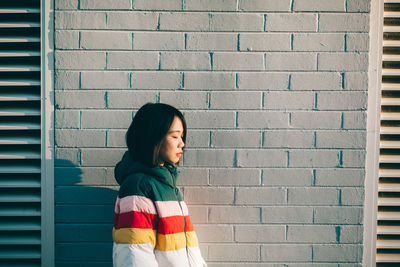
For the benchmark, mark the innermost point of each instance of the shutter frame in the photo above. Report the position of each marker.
(26, 171)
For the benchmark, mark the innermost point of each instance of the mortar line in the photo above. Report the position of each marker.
(106, 143)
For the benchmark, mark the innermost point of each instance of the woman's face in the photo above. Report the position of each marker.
(172, 145)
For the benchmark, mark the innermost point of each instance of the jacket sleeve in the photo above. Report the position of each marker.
(134, 232)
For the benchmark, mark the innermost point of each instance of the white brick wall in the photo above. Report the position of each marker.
(275, 97)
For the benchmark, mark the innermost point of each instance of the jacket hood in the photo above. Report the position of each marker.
(167, 174)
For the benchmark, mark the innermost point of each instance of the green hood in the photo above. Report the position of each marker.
(166, 174)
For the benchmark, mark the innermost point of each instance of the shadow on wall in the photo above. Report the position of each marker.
(83, 219)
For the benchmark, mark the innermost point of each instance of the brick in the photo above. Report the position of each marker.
(265, 80)
(313, 158)
(66, 79)
(203, 195)
(210, 119)
(261, 119)
(103, 119)
(287, 215)
(73, 251)
(352, 196)
(67, 157)
(353, 158)
(288, 139)
(357, 42)
(72, 175)
(287, 177)
(312, 234)
(316, 120)
(66, 4)
(215, 233)
(185, 61)
(290, 61)
(156, 80)
(105, 4)
(337, 253)
(338, 215)
(211, 5)
(158, 41)
(339, 177)
(343, 61)
(262, 158)
(284, 253)
(238, 61)
(198, 214)
(356, 81)
(101, 157)
(341, 139)
(264, 42)
(104, 80)
(129, 99)
(260, 233)
(233, 252)
(185, 100)
(264, 5)
(239, 264)
(288, 100)
(281, 22)
(82, 233)
(321, 5)
(235, 139)
(260, 196)
(85, 195)
(211, 41)
(235, 100)
(351, 234)
(66, 39)
(308, 196)
(228, 214)
(198, 138)
(193, 176)
(79, 20)
(208, 158)
(344, 22)
(358, 6)
(354, 120)
(116, 138)
(75, 60)
(183, 21)
(318, 42)
(132, 60)
(209, 80)
(69, 119)
(106, 40)
(158, 5)
(316, 81)
(79, 99)
(134, 20)
(235, 177)
(83, 214)
(237, 22)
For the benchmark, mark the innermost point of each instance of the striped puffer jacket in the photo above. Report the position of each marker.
(152, 226)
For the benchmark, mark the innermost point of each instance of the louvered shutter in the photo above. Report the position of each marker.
(20, 133)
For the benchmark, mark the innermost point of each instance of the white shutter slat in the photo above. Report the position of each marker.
(388, 225)
(20, 142)
(390, 87)
(388, 230)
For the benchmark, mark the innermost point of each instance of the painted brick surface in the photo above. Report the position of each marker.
(275, 98)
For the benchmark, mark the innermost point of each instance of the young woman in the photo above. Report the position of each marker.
(152, 226)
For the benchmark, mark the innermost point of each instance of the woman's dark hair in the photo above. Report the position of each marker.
(148, 128)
